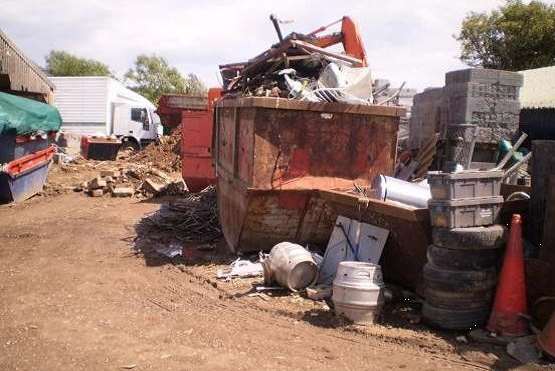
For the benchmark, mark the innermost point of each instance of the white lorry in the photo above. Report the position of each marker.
(102, 106)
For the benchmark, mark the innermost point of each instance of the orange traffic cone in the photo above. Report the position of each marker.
(546, 339)
(510, 298)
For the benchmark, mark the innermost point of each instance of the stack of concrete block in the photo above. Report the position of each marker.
(425, 117)
(483, 100)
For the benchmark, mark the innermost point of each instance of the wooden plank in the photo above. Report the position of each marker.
(293, 104)
(358, 204)
(316, 49)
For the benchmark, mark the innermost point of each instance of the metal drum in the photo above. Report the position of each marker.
(357, 291)
(290, 265)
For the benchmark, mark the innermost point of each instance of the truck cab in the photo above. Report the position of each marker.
(135, 125)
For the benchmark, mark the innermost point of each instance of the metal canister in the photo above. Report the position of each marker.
(290, 265)
(357, 291)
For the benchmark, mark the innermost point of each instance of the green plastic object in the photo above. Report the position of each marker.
(22, 116)
(505, 146)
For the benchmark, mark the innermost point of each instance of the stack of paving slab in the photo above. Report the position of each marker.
(482, 103)
(461, 273)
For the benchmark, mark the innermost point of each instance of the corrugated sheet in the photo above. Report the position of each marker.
(538, 90)
(82, 99)
(24, 75)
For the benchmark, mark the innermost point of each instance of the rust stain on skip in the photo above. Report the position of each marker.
(271, 162)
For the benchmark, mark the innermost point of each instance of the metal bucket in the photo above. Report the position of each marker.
(393, 189)
(290, 265)
(357, 291)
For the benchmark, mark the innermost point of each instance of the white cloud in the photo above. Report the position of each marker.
(405, 40)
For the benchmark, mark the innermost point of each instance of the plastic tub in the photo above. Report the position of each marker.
(465, 212)
(25, 177)
(464, 184)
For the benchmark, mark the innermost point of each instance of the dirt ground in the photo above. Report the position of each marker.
(76, 294)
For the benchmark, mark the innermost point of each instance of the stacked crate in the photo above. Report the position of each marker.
(460, 276)
(483, 100)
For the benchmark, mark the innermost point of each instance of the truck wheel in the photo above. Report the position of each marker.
(129, 145)
(463, 260)
(451, 319)
(474, 238)
(458, 281)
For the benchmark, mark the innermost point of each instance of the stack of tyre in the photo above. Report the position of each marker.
(461, 273)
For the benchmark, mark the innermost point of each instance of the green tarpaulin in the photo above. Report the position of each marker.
(22, 116)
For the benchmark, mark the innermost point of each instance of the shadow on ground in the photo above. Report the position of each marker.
(183, 231)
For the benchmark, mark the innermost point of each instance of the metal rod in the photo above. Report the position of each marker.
(511, 151)
(318, 30)
(275, 21)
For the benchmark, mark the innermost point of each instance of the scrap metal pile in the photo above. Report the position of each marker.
(300, 67)
(193, 218)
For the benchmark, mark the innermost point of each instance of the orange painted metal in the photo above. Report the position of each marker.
(27, 162)
(273, 155)
(349, 37)
(196, 145)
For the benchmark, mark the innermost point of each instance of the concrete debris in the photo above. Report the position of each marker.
(110, 173)
(123, 192)
(96, 183)
(152, 186)
(97, 192)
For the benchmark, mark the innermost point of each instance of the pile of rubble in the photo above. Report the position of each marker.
(135, 180)
(165, 153)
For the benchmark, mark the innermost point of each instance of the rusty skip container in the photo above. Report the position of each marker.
(272, 156)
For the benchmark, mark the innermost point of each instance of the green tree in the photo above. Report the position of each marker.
(61, 63)
(516, 36)
(152, 76)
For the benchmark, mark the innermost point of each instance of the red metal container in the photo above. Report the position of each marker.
(273, 155)
(196, 145)
(100, 148)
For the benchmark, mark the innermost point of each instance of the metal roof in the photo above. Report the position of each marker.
(538, 90)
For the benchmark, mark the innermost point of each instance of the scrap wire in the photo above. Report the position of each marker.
(191, 219)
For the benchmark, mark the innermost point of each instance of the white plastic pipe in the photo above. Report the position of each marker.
(393, 189)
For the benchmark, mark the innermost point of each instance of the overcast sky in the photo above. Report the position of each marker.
(405, 40)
